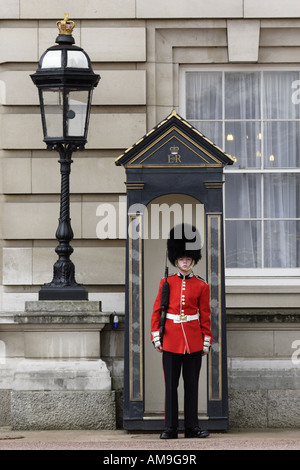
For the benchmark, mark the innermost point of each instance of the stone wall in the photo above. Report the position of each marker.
(264, 368)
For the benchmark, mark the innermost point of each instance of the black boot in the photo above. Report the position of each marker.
(195, 432)
(169, 433)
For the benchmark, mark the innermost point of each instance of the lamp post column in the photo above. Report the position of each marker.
(63, 285)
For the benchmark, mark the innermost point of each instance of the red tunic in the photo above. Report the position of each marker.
(188, 296)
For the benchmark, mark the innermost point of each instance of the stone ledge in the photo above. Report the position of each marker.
(60, 312)
(263, 316)
(57, 311)
(71, 306)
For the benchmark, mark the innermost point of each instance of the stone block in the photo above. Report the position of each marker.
(271, 9)
(114, 44)
(191, 9)
(9, 9)
(112, 342)
(32, 220)
(284, 340)
(16, 175)
(50, 374)
(120, 87)
(64, 410)
(248, 409)
(202, 55)
(104, 220)
(87, 9)
(15, 301)
(250, 343)
(46, 174)
(279, 55)
(243, 40)
(279, 37)
(11, 345)
(5, 408)
(28, 128)
(61, 344)
(62, 307)
(18, 88)
(164, 76)
(7, 368)
(14, 50)
(97, 175)
(17, 266)
(283, 408)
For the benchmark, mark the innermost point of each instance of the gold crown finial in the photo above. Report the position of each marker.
(65, 26)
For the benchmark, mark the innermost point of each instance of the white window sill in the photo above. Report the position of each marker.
(280, 280)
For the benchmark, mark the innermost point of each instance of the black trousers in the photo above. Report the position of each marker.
(190, 364)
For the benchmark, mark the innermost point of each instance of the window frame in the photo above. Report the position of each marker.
(264, 276)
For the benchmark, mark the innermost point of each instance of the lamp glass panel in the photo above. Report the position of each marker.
(53, 111)
(52, 59)
(76, 112)
(77, 59)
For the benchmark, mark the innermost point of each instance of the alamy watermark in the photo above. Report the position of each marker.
(296, 93)
(296, 353)
(156, 222)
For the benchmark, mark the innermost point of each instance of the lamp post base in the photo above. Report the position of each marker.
(54, 292)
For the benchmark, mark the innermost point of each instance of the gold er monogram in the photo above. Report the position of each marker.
(174, 157)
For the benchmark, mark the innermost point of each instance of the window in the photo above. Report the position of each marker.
(254, 115)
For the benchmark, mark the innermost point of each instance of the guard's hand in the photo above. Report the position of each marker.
(206, 345)
(156, 342)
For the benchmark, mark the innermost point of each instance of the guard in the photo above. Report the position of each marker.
(185, 335)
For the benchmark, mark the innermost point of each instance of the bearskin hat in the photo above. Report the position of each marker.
(184, 240)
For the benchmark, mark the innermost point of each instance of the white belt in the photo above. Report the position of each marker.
(182, 317)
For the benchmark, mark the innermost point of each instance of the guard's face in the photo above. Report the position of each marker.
(185, 263)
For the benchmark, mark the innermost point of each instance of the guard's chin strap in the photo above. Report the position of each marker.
(186, 269)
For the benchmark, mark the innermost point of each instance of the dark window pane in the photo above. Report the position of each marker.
(282, 244)
(242, 95)
(242, 196)
(243, 141)
(204, 95)
(282, 196)
(243, 244)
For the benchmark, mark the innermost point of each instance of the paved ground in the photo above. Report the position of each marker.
(271, 439)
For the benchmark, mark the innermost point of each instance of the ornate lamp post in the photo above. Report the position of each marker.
(65, 82)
